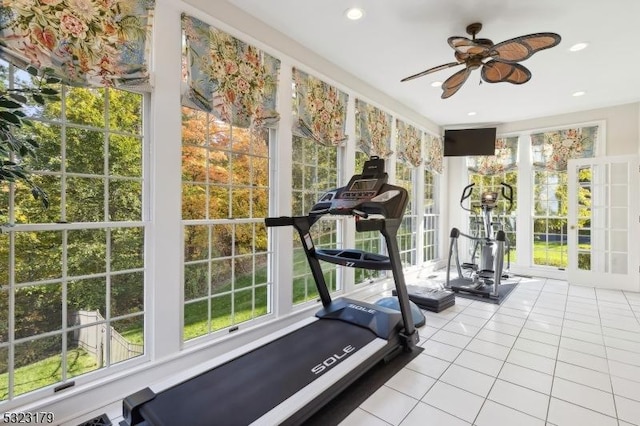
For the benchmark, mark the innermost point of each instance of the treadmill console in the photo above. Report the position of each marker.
(366, 193)
(488, 199)
(362, 188)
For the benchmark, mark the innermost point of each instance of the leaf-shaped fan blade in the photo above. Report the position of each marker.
(430, 70)
(520, 48)
(453, 83)
(496, 72)
(470, 47)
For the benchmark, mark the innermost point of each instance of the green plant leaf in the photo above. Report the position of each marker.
(38, 98)
(48, 91)
(39, 193)
(6, 103)
(19, 173)
(18, 97)
(32, 70)
(7, 175)
(10, 117)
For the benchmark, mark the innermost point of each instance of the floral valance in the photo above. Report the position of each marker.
(434, 153)
(552, 150)
(320, 109)
(504, 160)
(228, 77)
(409, 143)
(373, 130)
(84, 42)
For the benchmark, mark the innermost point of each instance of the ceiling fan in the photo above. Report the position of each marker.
(499, 62)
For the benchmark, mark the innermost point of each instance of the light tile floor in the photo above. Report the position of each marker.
(550, 354)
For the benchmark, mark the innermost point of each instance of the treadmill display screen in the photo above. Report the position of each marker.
(363, 185)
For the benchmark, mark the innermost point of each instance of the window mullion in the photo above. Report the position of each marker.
(105, 154)
(12, 311)
(63, 155)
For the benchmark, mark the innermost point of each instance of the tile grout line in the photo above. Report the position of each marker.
(606, 351)
(505, 360)
(555, 364)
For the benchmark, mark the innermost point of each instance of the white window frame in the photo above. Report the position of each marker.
(64, 227)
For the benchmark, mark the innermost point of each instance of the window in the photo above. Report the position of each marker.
(550, 218)
(489, 173)
(551, 151)
(369, 241)
(225, 198)
(72, 276)
(502, 216)
(407, 243)
(431, 217)
(314, 171)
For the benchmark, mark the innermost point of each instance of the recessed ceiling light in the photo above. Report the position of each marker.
(578, 46)
(578, 93)
(471, 113)
(436, 84)
(354, 13)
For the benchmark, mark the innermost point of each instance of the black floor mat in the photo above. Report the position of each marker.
(503, 292)
(352, 397)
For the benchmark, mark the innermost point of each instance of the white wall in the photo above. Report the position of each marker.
(622, 126)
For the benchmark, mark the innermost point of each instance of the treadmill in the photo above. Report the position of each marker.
(289, 378)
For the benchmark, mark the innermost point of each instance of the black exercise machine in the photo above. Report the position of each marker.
(288, 379)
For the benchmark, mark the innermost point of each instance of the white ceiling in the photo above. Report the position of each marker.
(402, 37)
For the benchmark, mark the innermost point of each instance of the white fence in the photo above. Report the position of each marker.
(94, 338)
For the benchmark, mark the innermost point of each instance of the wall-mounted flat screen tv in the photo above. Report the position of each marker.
(463, 142)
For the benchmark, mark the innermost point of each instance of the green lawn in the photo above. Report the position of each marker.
(133, 335)
(46, 372)
(550, 254)
(553, 254)
(196, 317)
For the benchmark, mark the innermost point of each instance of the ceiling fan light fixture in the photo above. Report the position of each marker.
(498, 62)
(578, 47)
(436, 84)
(578, 93)
(354, 13)
(471, 113)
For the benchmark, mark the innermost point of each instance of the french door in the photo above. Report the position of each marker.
(603, 219)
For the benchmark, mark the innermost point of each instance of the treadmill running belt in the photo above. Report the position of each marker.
(245, 388)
